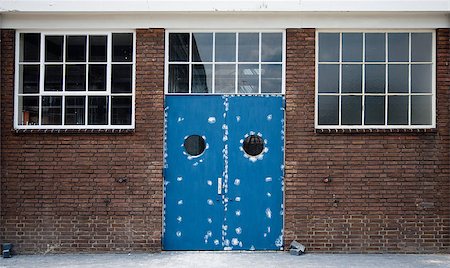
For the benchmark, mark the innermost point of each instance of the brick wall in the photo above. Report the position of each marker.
(59, 190)
(389, 191)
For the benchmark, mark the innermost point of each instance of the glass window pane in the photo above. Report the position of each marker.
(328, 110)
(29, 110)
(76, 48)
(271, 47)
(421, 110)
(398, 47)
(201, 78)
(375, 47)
(97, 48)
(351, 110)
(421, 78)
(421, 46)
(398, 78)
(178, 78)
(225, 47)
(225, 78)
(122, 47)
(30, 47)
(98, 110)
(120, 110)
(351, 78)
(97, 77)
(352, 46)
(178, 47)
(248, 78)
(328, 78)
(398, 110)
(271, 78)
(29, 79)
(202, 47)
(75, 110)
(51, 110)
(374, 109)
(329, 47)
(53, 78)
(248, 47)
(121, 78)
(76, 77)
(54, 48)
(375, 78)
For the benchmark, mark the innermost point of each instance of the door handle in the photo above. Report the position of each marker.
(219, 185)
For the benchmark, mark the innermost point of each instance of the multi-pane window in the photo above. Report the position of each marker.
(225, 62)
(74, 81)
(375, 80)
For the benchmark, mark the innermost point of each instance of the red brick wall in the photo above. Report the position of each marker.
(389, 191)
(60, 191)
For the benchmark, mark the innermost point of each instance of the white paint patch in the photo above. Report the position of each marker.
(234, 241)
(269, 117)
(226, 242)
(209, 182)
(268, 179)
(279, 241)
(268, 213)
(265, 234)
(179, 178)
(211, 120)
(237, 182)
(268, 229)
(180, 202)
(166, 183)
(209, 233)
(178, 233)
(238, 213)
(269, 194)
(252, 248)
(238, 118)
(227, 248)
(216, 242)
(210, 202)
(237, 199)
(209, 220)
(195, 164)
(238, 230)
(179, 219)
(180, 119)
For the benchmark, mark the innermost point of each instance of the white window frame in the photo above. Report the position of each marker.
(213, 62)
(63, 93)
(386, 94)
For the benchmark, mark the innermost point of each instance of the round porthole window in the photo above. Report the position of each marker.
(253, 145)
(194, 145)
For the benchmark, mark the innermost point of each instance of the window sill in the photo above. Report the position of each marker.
(374, 130)
(76, 131)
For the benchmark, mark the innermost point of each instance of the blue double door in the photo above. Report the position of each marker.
(223, 179)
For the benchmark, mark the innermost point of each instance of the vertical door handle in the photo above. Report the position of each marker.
(219, 185)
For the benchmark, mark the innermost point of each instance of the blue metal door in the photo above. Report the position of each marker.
(230, 195)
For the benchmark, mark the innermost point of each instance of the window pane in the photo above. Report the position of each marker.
(97, 48)
(398, 45)
(271, 47)
(329, 46)
(202, 78)
(179, 47)
(248, 47)
(225, 47)
(29, 79)
(421, 110)
(351, 78)
(398, 78)
(398, 110)
(328, 110)
(248, 78)
(75, 110)
(202, 47)
(51, 110)
(54, 48)
(178, 78)
(76, 77)
(122, 47)
(375, 78)
(225, 78)
(98, 110)
(352, 46)
(374, 108)
(29, 110)
(421, 46)
(421, 78)
(97, 77)
(328, 78)
(53, 78)
(121, 110)
(30, 47)
(351, 110)
(121, 78)
(375, 47)
(76, 48)
(271, 78)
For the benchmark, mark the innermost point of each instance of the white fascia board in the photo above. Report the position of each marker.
(223, 5)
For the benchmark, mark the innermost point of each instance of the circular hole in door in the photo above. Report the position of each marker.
(194, 145)
(253, 145)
